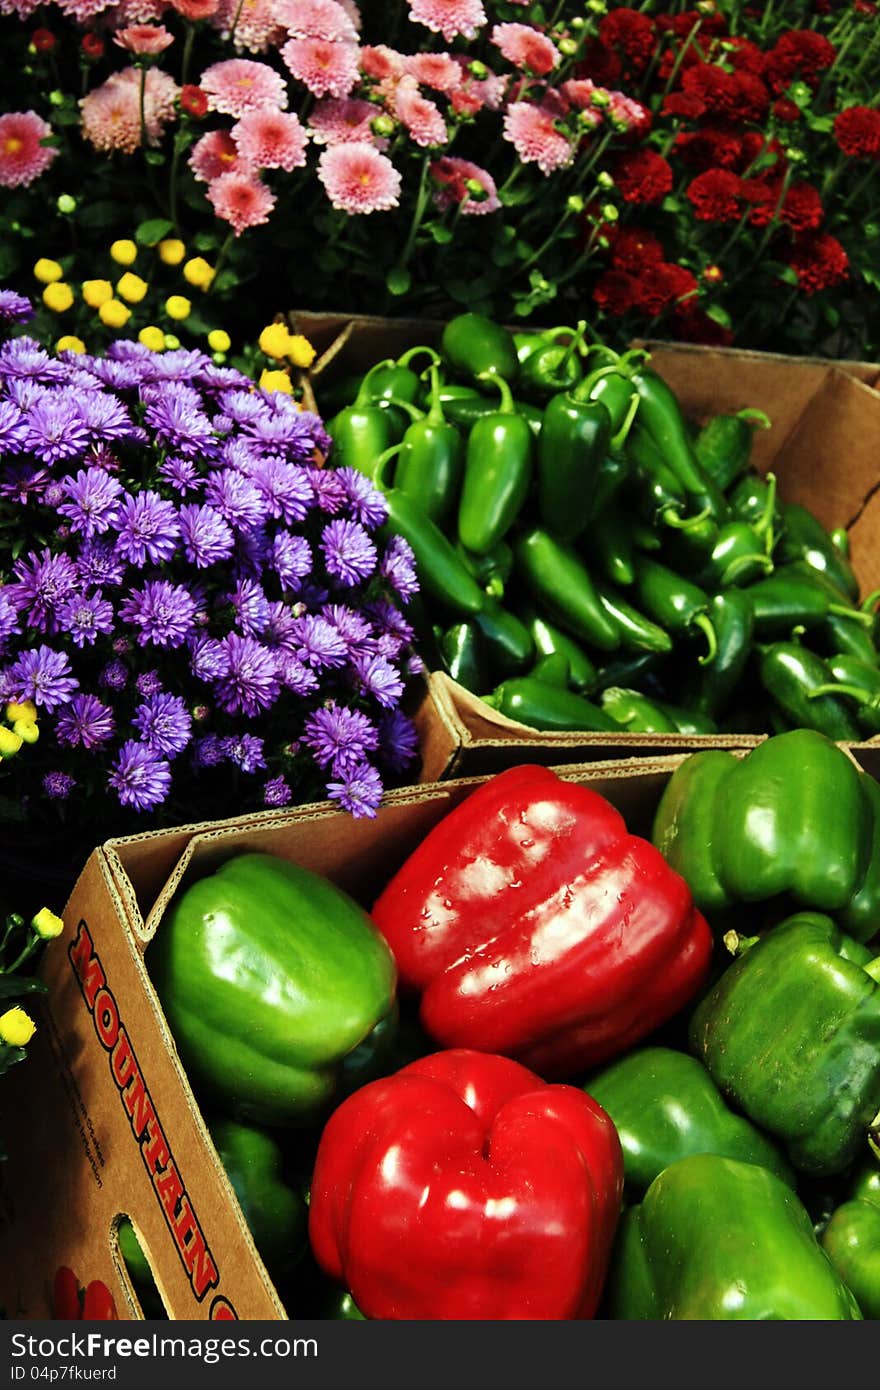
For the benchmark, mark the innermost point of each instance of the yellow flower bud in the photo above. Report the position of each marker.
(16, 1027)
(275, 381)
(171, 252)
(97, 292)
(177, 306)
(274, 340)
(131, 287)
(300, 351)
(124, 252)
(172, 342)
(9, 742)
(20, 709)
(70, 343)
(47, 271)
(152, 338)
(58, 297)
(197, 272)
(27, 729)
(219, 340)
(47, 924)
(114, 313)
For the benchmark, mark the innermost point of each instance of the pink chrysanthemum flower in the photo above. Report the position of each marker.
(111, 115)
(316, 19)
(256, 24)
(437, 70)
(81, 10)
(135, 12)
(580, 92)
(532, 132)
(325, 67)
(241, 200)
(22, 9)
(458, 180)
(449, 17)
(358, 179)
(195, 9)
(344, 121)
(241, 84)
(526, 47)
(419, 115)
(381, 62)
(271, 140)
(629, 114)
(144, 38)
(22, 157)
(214, 155)
(473, 94)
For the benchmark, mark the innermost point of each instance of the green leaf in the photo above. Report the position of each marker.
(720, 315)
(153, 231)
(821, 123)
(442, 235)
(12, 986)
(205, 241)
(154, 157)
(100, 216)
(398, 279)
(670, 204)
(788, 275)
(512, 197)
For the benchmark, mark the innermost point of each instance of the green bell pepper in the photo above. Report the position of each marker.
(666, 1106)
(275, 1213)
(718, 1240)
(790, 1033)
(276, 986)
(851, 1240)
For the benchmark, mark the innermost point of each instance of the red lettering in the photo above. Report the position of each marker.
(222, 1310)
(138, 1104)
(123, 1063)
(170, 1189)
(106, 1018)
(155, 1151)
(86, 965)
(197, 1259)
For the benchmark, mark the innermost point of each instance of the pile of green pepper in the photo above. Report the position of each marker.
(591, 559)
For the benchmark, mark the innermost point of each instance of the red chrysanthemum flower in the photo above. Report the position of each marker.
(819, 261)
(193, 100)
(745, 56)
(799, 53)
(693, 325)
(784, 109)
(802, 209)
(682, 282)
(682, 24)
(763, 196)
(732, 96)
(601, 64)
(685, 104)
(642, 176)
(92, 45)
(43, 40)
(709, 148)
(754, 146)
(615, 292)
(632, 249)
(632, 33)
(715, 195)
(656, 288)
(857, 132)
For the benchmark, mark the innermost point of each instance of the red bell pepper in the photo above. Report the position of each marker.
(464, 1187)
(534, 925)
(69, 1302)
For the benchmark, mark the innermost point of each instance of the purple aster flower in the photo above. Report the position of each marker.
(85, 722)
(208, 751)
(10, 614)
(250, 605)
(252, 551)
(121, 376)
(339, 737)
(329, 489)
(276, 792)
(398, 739)
(23, 481)
(58, 785)
(388, 618)
(42, 675)
(23, 357)
(299, 679)
(358, 791)
(25, 392)
(176, 419)
(388, 645)
(114, 675)
(399, 567)
(128, 350)
(181, 474)
(245, 750)
(53, 496)
(13, 431)
(251, 682)
(241, 454)
(55, 429)
(285, 488)
(280, 629)
(379, 678)
(208, 658)
(43, 582)
(99, 565)
(122, 646)
(242, 407)
(237, 499)
(93, 500)
(150, 683)
(216, 379)
(290, 431)
(85, 617)
(105, 417)
(349, 554)
(207, 537)
(140, 777)
(352, 627)
(164, 612)
(365, 500)
(148, 528)
(14, 308)
(164, 723)
(319, 644)
(291, 558)
(182, 364)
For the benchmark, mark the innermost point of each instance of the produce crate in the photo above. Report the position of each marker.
(103, 1098)
(823, 446)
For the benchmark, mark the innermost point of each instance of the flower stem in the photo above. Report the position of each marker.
(221, 256)
(419, 212)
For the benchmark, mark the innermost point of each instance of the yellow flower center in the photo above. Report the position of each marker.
(13, 144)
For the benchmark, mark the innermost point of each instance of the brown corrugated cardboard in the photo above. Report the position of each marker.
(106, 1124)
(823, 446)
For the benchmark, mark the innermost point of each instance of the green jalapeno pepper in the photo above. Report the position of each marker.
(724, 445)
(631, 669)
(845, 634)
(558, 581)
(550, 640)
(673, 602)
(839, 538)
(794, 678)
(787, 599)
(574, 440)
(637, 633)
(856, 680)
(475, 346)
(464, 656)
(611, 384)
(661, 417)
(612, 473)
(748, 501)
(635, 711)
(463, 406)
(609, 545)
(431, 463)
(552, 367)
(362, 432)
(660, 495)
(497, 473)
(543, 706)
(713, 686)
(552, 670)
(805, 538)
(510, 647)
(491, 570)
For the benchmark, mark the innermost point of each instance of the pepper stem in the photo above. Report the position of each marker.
(754, 417)
(435, 414)
(582, 391)
(857, 614)
(685, 523)
(573, 347)
(379, 469)
(736, 944)
(363, 396)
(619, 439)
(406, 406)
(407, 357)
(704, 623)
(506, 406)
(873, 969)
(871, 601)
(764, 525)
(743, 563)
(841, 688)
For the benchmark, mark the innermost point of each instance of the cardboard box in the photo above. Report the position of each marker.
(823, 446)
(105, 1124)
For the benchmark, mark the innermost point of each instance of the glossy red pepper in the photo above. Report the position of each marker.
(534, 925)
(69, 1303)
(464, 1187)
